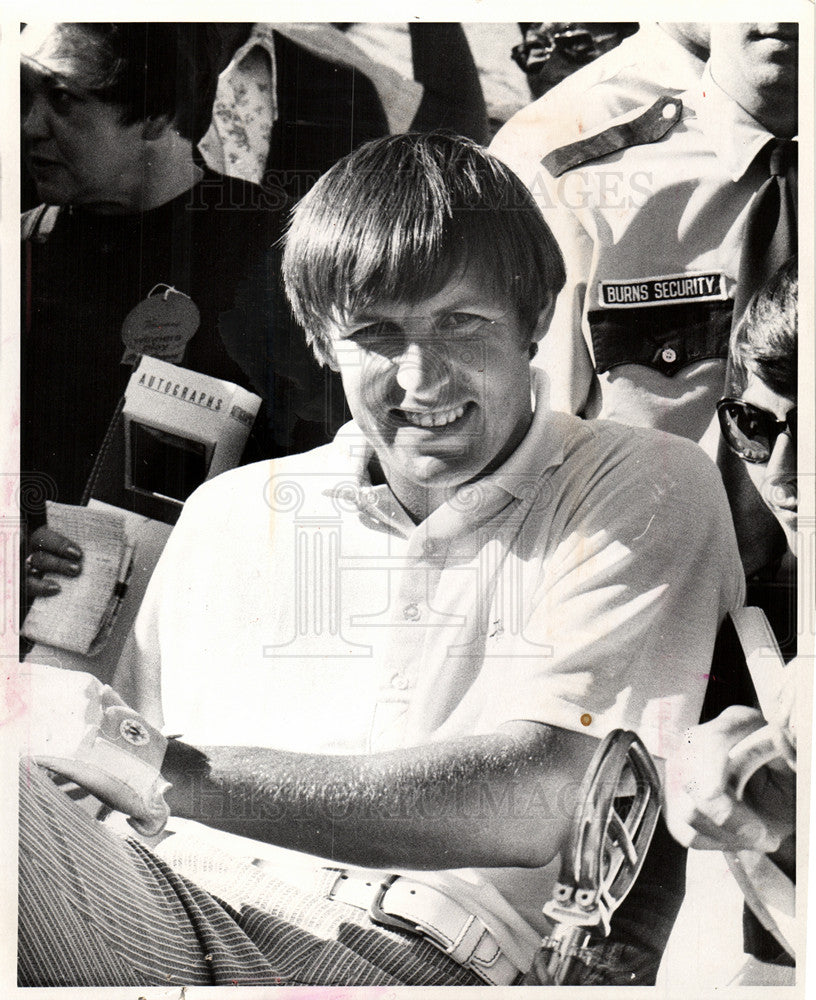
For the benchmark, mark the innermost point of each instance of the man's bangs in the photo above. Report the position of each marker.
(778, 372)
(410, 265)
(402, 217)
(765, 341)
(389, 256)
(381, 258)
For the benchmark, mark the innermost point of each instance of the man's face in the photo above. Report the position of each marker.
(76, 147)
(440, 389)
(757, 65)
(775, 479)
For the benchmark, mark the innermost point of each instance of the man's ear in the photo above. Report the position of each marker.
(544, 319)
(154, 128)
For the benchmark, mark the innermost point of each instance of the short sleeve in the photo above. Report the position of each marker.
(630, 599)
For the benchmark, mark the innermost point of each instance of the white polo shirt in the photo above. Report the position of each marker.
(297, 606)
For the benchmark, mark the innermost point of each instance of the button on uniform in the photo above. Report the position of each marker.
(411, 613)
(669, 355)
(399, 681)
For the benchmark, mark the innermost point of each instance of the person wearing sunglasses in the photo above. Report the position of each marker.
(758, 421)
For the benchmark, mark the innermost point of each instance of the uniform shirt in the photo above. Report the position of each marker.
(297, 606)
(651, 236)
(643, 67)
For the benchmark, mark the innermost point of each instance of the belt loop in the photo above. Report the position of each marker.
(464, 948)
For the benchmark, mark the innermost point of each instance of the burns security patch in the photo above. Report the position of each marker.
(666, 289)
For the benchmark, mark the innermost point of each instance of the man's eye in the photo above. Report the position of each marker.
(375, 332)
(464, 322)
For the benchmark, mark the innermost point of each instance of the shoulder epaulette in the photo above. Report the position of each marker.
(649, 126)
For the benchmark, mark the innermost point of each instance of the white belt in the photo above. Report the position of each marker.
(400, 902)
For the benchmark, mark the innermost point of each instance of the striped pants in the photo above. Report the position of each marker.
(96, 909)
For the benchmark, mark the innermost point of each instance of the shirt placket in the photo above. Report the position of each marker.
(411, 626)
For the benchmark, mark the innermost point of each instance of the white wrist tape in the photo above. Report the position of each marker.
(81, 729)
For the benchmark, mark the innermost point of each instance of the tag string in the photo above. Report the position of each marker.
(168, 289)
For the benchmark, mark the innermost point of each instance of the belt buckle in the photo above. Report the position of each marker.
(378, 914)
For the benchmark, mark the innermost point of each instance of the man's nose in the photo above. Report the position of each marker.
(35, 121)
(783, 456)
(421, 367)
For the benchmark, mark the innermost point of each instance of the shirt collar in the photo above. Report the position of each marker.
(735, 137)
(539, 450)
(659, 45)
(377, 504)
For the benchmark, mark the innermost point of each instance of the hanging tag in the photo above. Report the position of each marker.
(160, 326)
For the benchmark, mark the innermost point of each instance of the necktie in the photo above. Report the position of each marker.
(770, 229)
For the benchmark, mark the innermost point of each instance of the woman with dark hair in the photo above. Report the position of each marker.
(135, 234)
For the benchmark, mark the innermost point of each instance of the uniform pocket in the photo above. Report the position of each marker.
(666, 338)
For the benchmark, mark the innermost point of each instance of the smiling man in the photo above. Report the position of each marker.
(398, 652)
(438, 388)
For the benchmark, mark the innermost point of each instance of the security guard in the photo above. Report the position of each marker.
(650, 211)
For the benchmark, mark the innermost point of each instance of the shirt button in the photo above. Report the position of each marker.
(669, 355)
(399, 681)
(669, 110)
(410, 613)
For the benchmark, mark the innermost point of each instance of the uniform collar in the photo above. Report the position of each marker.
(735, 137)
(659, 45)
(539, 450)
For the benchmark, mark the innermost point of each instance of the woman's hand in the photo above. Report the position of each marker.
(50, 555)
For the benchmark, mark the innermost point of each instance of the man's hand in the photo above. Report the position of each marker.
(703, 808)
(50, 554)
(80, 728)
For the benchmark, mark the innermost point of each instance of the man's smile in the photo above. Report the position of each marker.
(432, 418)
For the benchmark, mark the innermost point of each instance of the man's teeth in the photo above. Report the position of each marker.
(438, 419)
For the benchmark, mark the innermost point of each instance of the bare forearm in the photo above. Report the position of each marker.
(497, 800)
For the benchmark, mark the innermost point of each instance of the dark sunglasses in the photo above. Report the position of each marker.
(751, 432)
